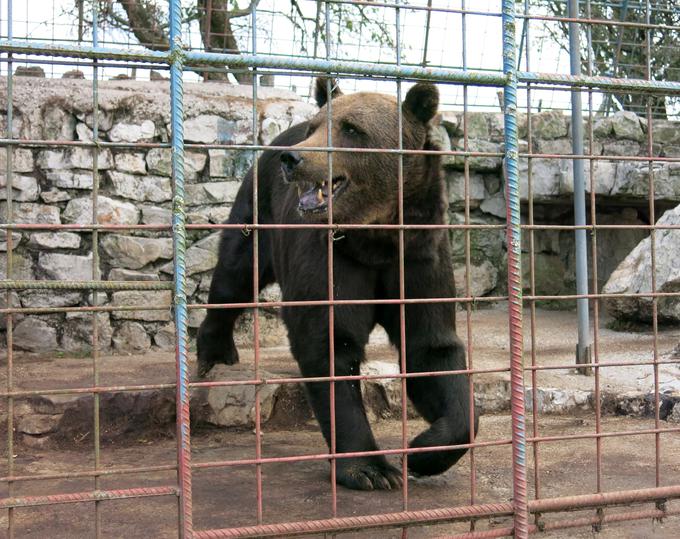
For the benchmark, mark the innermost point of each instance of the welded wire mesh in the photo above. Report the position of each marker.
(471, 77)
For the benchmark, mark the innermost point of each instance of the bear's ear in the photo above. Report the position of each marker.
(321, 90)
(422, 101)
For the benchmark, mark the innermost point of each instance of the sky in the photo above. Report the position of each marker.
(479, 49)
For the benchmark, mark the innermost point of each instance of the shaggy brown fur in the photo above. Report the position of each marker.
(294, 187)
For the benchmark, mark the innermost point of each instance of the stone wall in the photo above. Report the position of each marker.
(53, 184)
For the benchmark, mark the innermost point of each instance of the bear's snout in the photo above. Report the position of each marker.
(290, 160)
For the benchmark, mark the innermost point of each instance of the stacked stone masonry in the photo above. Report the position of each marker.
(53, 184)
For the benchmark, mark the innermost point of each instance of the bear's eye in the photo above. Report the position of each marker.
(351, 129)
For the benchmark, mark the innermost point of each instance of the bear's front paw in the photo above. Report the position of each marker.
(209, 356)
(367, 473)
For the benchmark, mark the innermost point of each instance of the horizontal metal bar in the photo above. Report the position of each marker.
(352, 454)
(325, 302)
(256, 61)
(603, 499)
(90, 473)
(7, 284)
(437, 516)
(481, 78)
(596, 520)
(93, 496)
(84, 390)
(600, 82)
(596, 435)
(87, 309)
(363, 522)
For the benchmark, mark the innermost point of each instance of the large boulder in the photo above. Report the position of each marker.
(634, 276)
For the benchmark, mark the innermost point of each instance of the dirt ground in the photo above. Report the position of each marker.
(226, 497)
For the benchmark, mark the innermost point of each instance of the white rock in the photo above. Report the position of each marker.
(64, 267)
(35, 335)
(132, 132)
(68, 179)
(131, 338)
(29, 212)
(131, 162)
(146, 298)
(141, 188)
(54, 240)
(24, 188)
(109, 211)
(210, 129)
(22, 160)
(634, 276)
(135, 252)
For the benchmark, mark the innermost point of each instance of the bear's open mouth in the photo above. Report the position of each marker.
(315, 200)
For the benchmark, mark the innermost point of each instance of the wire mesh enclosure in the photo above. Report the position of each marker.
(557, 228)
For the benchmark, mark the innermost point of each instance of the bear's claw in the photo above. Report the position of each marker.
(368, 474)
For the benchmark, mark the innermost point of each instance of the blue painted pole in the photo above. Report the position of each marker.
(179, 247)
(514, 245)
(581, 242)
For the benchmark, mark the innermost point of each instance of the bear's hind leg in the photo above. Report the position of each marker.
(352, 430)
(444, 401)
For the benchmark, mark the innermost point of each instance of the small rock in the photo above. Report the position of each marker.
(22, 160)
(122, 274)
(549, 125)
(211, 129)
(162, 299)
(41, 298)
(24, 188)
(84, 133)
(164, 338)
(153, 215)
(234, 406)
(35, 335)
(54, 240)
(37, 424)
(201, 256)
(627, 125)
(84, 158)
(53, 196)
(22, 267)
(30, 71)
(141, 188)
(131, 162)
(131, 132)
(64, 267)
(67, 179)
(78, 331)
(483, 279)
(58, 124)
(212, 193)
(135, 252)
(73, 74)
(131, 338)
(30, 212)
(109, 211)
(16, 240)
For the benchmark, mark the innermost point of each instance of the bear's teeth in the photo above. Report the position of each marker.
(319, 196)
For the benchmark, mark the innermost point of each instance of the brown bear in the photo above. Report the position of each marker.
(294, 188)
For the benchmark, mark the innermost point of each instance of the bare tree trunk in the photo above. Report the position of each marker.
(217, 33)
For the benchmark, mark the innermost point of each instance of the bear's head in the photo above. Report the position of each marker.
(364, 184)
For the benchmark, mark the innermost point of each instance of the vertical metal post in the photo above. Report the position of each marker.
(583, 345)
(179, 247)
(514, 245)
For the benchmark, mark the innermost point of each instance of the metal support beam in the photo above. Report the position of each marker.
(583, 346)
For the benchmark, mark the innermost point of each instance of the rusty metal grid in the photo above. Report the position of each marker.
(521, 509)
